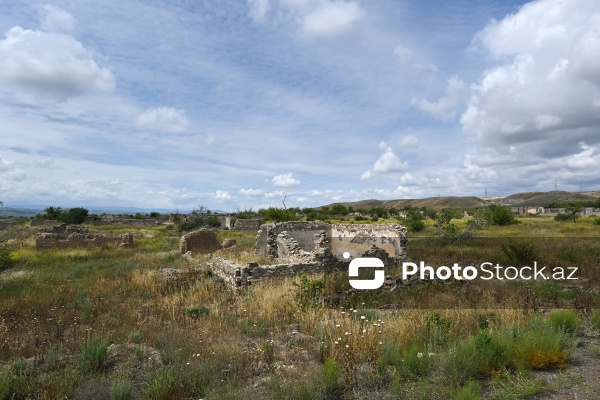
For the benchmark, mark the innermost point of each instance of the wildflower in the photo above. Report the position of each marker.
(362, 317)
(337, 325)
(347, 345)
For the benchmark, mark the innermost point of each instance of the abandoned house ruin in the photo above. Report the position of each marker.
(313, 247)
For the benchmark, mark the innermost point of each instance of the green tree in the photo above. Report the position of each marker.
(495, 214)
(573, 211)
(75, 215)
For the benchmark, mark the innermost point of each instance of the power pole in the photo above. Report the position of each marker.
(555, 184)
(486, 192)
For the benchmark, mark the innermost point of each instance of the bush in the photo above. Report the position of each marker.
(331, 376)
(6, 259)
(415, 225)
(498, 215)
(94, 355)
(564, 321)
(595, 319)
(522, 253)
(562, 217)
(121, 389)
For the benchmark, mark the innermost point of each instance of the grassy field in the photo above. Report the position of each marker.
(102, 324)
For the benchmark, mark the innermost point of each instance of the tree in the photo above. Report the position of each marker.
(573, 211)
(75, 215)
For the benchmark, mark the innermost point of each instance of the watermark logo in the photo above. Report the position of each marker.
(365, 262)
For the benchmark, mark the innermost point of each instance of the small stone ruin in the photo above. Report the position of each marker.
(64, 236)
(203, 240)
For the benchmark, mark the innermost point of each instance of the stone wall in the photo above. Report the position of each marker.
(9, 222)
(45, 240)
(247, 225)
(203, 240)
(303, 232)
(139, 222)
(240, 276)
(44, 222)
(355, 239)
(296, 238)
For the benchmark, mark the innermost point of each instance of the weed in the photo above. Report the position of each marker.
(94, 355)
(121, 389)
(520, 253)
(6, 259)
(470, 391)
(197, 311)
(331, 376)
(161, 385)
(437, 330)
(564, 321)
(136, 336)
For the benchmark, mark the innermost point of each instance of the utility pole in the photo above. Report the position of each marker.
(486, 192)
(555, 184)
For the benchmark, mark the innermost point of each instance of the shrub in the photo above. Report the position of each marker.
(6, 259)
(415, 225)
(94, 355)
(564, 321)
(136, 336)
(311, 291)
(562, 217)
(597, 221)
(196, 311)
(161, 385)
(595, 319)
(331, 376)
(415, 362)
(437, 330)
(521, 253)
(499, 215)
(121, 389)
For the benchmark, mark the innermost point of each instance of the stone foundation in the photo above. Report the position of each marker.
(73, 238)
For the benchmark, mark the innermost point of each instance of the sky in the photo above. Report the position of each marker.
(233, 104)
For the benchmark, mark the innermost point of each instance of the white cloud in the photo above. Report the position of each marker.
(222, 195)
(164, 119)
(49, 63)
(407, 179)
(56, 19)
(251, 192)
(403, 53)
(331, 18)
(313, 18)
(444, 107)
(10, 173)
(588, 158)
(408, 141)
(275, 194)
(473, 172)
(387, 163)
(258, 9)
(547, 74)
(285, 181)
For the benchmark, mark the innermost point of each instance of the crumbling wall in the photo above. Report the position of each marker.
(239, 276)
(355, 239)
(247, 225)
(44, 222)
(292, 238)
(139, 222)
(302, 232)
(71, 239)
(6, 223)
(203, 240)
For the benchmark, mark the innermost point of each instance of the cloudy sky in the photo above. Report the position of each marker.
(233, 104)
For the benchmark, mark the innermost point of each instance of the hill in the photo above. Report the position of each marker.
(526, 199)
